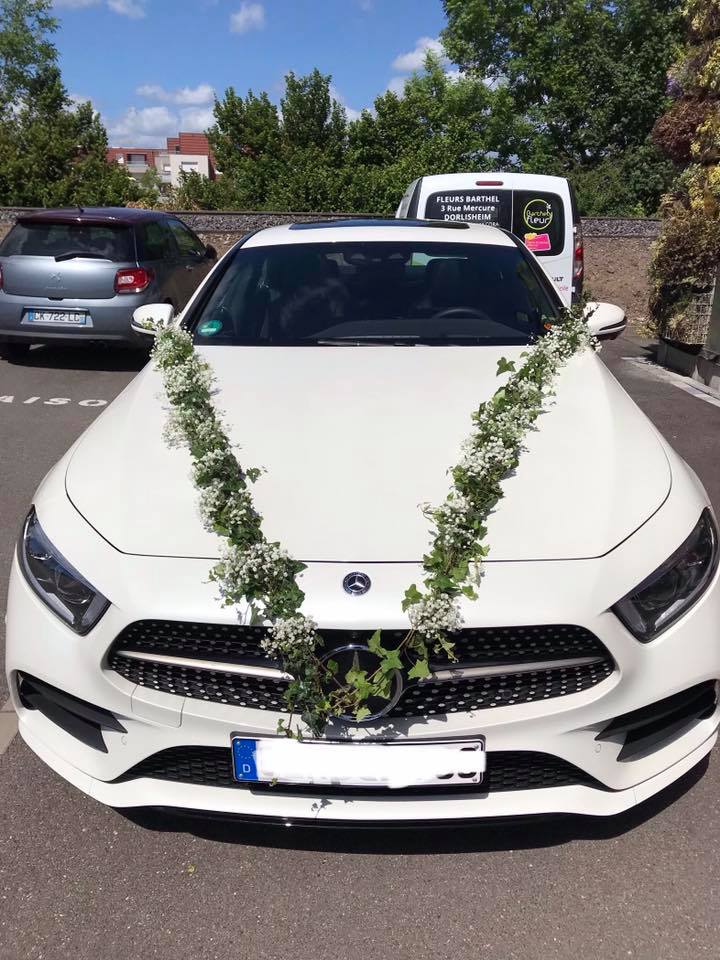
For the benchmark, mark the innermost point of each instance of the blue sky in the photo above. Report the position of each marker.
(151, 66)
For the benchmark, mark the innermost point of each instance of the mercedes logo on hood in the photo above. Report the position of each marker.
(356, 583)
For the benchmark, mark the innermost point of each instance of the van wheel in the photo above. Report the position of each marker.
(14, 352)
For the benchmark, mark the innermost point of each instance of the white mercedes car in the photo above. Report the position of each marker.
(348, 358)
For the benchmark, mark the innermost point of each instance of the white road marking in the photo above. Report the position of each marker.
(54, 401)
(8, 726)
(690, 386)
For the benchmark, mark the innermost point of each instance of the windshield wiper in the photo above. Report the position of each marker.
(79, 253)
(362, 341)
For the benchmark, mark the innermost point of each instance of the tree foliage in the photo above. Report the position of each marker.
(686, 256)
(52, 152)
(586, 80)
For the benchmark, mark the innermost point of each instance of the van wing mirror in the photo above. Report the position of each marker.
(605, 320)
(151, 317)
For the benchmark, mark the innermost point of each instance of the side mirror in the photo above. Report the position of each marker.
(210, 252)
(152, 316)
(605, 320)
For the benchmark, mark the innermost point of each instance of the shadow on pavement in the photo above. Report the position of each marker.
(101, 357)
(488, 836)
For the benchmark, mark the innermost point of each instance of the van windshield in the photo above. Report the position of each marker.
(377, 293)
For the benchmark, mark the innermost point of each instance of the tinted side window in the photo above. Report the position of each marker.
(188, 243)
(539, 221)
(156, 242)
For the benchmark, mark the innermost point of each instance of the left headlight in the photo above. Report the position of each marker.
(57, 582)
(666, 594)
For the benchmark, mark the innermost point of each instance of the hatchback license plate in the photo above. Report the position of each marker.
(393, 764)
(66, 317)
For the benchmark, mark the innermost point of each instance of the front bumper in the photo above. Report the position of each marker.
(580, 592)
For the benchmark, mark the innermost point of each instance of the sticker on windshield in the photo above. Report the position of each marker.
(538, 242)
(210, 327)
(538, 214)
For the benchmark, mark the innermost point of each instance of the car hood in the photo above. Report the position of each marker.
(354, 439)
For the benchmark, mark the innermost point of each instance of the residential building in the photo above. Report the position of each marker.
(186, 153)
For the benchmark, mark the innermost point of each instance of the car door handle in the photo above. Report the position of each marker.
(189, 267)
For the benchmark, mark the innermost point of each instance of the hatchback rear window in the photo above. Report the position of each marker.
(105, 241)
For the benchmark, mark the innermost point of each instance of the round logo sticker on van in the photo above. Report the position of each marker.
(538, 214)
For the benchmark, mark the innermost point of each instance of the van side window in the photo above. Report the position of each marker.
(539, 221)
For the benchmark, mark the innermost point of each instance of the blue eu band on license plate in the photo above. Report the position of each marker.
(244, 763)
(438, 763)
(72, 318)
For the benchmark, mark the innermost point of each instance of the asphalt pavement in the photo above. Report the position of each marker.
(78, 880)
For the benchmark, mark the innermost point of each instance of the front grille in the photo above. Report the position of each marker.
(506, 770)
(238, 645)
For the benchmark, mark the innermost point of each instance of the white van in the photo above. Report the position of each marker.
(541, 211)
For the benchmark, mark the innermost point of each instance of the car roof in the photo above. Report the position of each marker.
(392, 231)
(124, 216)
(511, 181)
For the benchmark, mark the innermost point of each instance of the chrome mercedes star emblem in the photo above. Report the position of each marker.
(358, 656)
(356, 583)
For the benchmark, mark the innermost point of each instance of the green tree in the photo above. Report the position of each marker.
(587, 79)
(52, 152)
(26, 52)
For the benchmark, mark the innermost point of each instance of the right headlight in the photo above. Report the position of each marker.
(56, 582)
(675, 586)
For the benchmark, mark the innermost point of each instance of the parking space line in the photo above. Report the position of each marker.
(8, 726)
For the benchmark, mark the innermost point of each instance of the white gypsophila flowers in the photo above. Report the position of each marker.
(481, 456)
(237, 509)
(435, 616)
(453, 519)
(170, 347)
(291, 636)
(261, 563)
(186, 378)
(206, 467)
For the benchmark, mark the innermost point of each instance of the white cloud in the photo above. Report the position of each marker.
(397, 85)
(415, 59)
(190, 96)
(150, 126)
(145, 127)
(196, 119)
(352, 113)
(250, 16)
(127, 8)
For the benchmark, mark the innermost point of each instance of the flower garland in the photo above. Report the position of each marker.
(255, 571)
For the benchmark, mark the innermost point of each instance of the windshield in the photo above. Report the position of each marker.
(375, 293)
(66, 240)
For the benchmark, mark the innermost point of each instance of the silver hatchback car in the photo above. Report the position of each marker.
(78, 274)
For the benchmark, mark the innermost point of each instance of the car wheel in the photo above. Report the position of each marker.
(14, 352)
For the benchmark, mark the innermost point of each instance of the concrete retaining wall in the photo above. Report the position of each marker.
(617, 251)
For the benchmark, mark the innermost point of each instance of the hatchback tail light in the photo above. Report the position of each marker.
(578, 256)
(133, 280)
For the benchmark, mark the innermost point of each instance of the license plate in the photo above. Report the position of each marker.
(66, 317)
(434, 763)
